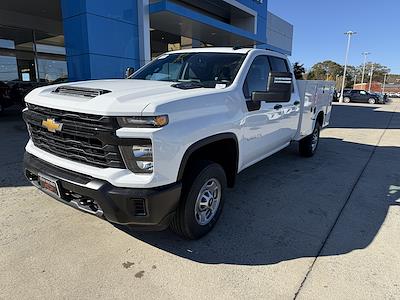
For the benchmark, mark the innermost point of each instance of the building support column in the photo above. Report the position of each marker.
(101, 38)
(144, 32)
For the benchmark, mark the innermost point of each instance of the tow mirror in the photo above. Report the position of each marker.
(279, 88)
(129, 71)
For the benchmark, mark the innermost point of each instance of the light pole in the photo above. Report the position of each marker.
(370, 78)
(349, 35)
(355, 81)
(365, 62)
(384, 83)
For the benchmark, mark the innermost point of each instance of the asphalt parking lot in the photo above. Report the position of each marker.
(327, 227)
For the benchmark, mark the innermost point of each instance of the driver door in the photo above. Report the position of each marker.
(266, 126)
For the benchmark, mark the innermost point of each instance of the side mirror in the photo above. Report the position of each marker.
(129, 71)
(279, 88)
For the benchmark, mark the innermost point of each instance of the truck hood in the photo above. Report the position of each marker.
(125, 96)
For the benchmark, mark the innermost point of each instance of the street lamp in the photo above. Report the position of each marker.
(384, 83)
(365, 62)
(349, 35)
(370, 78)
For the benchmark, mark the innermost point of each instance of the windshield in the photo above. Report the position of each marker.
(204, 69)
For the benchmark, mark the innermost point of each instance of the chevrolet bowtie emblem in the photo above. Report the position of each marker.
(52, 125)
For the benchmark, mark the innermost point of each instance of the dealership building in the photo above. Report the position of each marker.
(51, 40)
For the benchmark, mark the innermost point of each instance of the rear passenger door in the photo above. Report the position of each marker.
(354, 95)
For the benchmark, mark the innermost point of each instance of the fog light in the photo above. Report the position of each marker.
(138, 158)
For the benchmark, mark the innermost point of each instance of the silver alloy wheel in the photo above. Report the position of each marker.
(371, 101)
(346, 100)
(315, 138)
(208, 201)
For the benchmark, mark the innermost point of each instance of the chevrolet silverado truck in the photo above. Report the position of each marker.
(158, 149)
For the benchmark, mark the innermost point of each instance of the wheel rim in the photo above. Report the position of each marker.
(346, 100)
(371, 101)
(208, 201)
(315, 138)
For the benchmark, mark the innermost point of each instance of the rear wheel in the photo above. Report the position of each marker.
(308, 146)
(371, 101)
(346, 99)
(201, 202)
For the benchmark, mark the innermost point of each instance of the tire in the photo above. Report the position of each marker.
(346, 99)
(195, 204)
(308, 146)
(371, 101)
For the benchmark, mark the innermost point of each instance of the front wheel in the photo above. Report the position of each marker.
(308, 146)
(346, 100)
(371, 101)
(201, 202)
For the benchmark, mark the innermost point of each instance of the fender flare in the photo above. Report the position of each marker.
(204, 142)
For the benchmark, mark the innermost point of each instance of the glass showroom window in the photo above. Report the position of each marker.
(16, 55)
(31, 56)
(50, 50)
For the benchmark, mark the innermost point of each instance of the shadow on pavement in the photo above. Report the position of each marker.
(284, 207)
(13, 137)
(344, 116)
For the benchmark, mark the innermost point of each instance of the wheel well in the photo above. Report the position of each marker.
(320, 118)
(224, 151)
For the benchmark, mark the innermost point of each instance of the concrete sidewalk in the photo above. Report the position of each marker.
(324, 227)
(372, 272)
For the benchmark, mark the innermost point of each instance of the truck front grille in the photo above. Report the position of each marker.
(84, 138)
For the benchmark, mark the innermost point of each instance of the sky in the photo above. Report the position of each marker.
(319, 27)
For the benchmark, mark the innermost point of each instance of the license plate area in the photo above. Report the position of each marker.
(49, 184)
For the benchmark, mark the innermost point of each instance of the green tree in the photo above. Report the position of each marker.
(298, 70)
(379, 72)
(326, 70)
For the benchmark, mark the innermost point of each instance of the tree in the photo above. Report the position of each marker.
(326, 70)
(379, 72)
(298, 70)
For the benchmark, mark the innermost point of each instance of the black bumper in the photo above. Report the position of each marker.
(144, 208)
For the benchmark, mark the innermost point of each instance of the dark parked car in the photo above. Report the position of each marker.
(361, 96)
(14, 92)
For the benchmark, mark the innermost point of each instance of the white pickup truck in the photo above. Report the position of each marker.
(159, 148)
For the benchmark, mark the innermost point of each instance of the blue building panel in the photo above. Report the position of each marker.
(101, 40)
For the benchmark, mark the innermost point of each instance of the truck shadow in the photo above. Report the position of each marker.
(284, 207)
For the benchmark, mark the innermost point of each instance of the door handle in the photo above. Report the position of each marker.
(278, 106)
(296, 103)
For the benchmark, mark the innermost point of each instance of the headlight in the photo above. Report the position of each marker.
(135, 122)
(138, 158)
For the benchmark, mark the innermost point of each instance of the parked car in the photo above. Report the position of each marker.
(159, 149)
(394, 95)
(5, 100)
(361, 96)
(13, 92)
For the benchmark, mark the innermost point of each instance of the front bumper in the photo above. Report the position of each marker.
(150, 208)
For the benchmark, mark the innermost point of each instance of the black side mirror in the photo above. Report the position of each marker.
(129, 71)
(279, 88)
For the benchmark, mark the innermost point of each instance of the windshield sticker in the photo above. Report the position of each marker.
(220, 86)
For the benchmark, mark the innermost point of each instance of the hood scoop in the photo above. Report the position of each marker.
(79, 91)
